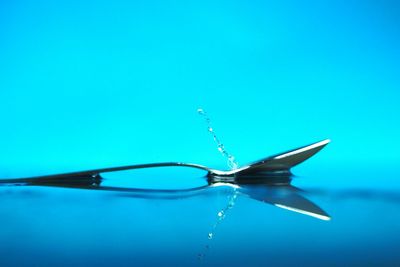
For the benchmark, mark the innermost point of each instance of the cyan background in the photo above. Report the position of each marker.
(88, 84)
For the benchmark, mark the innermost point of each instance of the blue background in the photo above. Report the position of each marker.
(87, 84)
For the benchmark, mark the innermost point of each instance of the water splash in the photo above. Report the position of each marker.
(231, 161)
(232, 164)
(221, 215)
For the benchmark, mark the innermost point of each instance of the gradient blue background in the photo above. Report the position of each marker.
(100, 83)
(86, 84)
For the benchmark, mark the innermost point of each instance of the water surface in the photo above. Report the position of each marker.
(208, 226)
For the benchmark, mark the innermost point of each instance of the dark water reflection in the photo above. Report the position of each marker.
(274, 189)
(54, 222)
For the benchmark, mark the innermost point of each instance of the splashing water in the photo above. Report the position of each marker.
(232, 164)
(221, 215)
(231, 161)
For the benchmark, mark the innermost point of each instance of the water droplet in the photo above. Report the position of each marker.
(231, 161)
(221, 213)
(210, 235)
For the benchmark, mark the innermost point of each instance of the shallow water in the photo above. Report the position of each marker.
(47, 226)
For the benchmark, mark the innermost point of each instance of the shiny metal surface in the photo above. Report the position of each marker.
(272, 166)
(267, 180)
